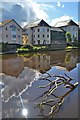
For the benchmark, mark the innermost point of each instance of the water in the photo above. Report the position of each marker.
(20, 83)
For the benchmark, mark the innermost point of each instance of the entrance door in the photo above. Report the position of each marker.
(38, 42)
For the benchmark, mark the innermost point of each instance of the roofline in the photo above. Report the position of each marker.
(67, 25)
(36, 25)
(59, 28)
(11, 21)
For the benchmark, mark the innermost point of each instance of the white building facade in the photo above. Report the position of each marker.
(41, 33)
(38, 33)
(11, 32)
(69, 26)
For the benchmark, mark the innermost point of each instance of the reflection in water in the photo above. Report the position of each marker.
(25, 112)
(15, 86)
(14, 65)
(18, 75)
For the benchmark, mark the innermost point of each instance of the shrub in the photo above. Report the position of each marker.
(28, 46)
(68, 37)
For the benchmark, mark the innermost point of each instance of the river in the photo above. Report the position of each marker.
(20, 78)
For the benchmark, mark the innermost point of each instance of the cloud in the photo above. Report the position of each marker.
(23, 12)
(47, 6)
(16, 12)
(60, 5)
(62, 18)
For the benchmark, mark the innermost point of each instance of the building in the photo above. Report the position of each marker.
(69, 26)
(24, 38)
(11, 32)
(41, 33)
(38, 32)
(79, 34)
(57, 36)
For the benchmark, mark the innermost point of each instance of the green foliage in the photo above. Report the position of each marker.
(68, 37)
(75, 40)
(29, 46)
(3, 47)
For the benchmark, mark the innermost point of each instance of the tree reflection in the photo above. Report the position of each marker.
(49, 98)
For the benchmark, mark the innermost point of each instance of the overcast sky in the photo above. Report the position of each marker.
(29, 10)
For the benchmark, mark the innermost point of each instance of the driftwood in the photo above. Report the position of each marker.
(56, 101)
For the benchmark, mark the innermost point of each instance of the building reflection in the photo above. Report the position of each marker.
(13, 65)
(1, 65)
(38, 61)
(19, 66)
(68, 60)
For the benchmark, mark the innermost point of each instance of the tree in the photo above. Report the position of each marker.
(68, 37)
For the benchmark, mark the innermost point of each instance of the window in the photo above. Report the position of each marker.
(43, 35)
(44, 42)
(33, 42)
(18, 36)
(18, 29)
(34, 30)
(47, 35)
(38, 36)
(6, 28)
(14, 36)
(34, 36)
(47, 30)
(6, 36)
(38, 30)
(73, 28)
(13, 29)
(43, 29)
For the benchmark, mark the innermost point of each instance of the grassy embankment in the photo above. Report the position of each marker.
(5, 47)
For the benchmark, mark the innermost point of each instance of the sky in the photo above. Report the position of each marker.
(51, 12)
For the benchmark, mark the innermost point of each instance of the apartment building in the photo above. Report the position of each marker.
(41, 33)
(38, 32)
(69, 26)
(11, 32)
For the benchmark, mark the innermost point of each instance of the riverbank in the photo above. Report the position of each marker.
(31, 49)
(8, 52)
(19, 52)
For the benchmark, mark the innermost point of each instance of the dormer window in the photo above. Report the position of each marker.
(13, 27)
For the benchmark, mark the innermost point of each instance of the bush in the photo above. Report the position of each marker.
(68, 37)
(28, 46)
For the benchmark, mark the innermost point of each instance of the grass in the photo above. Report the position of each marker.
(31, 49)
(69, 48)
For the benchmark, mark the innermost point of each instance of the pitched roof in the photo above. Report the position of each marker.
(65, 23)
(5, 22)
(35, 23)
(8, 21)
(57, 29)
